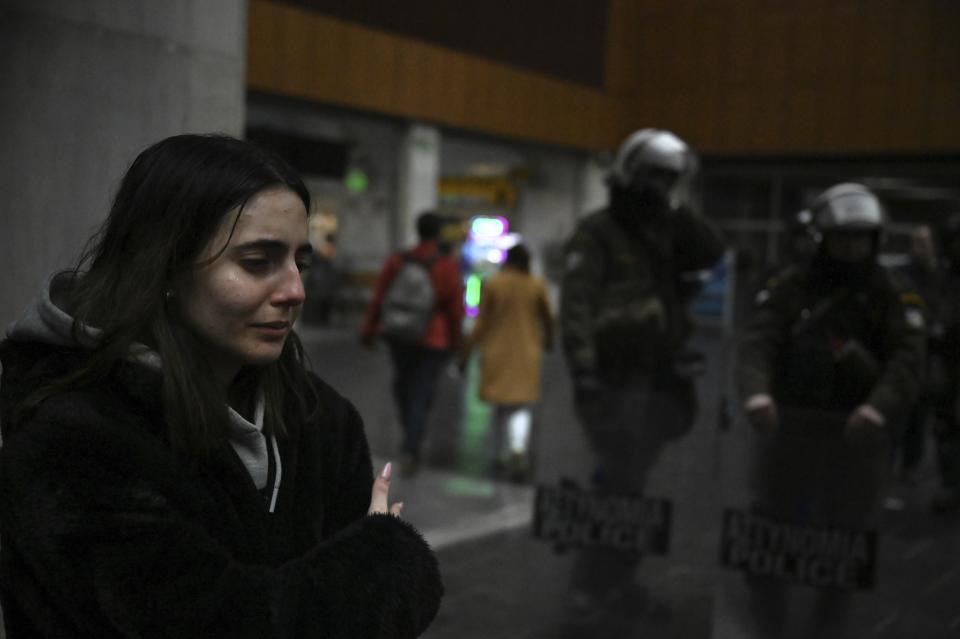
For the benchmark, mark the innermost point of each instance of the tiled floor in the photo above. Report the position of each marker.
(503, 583)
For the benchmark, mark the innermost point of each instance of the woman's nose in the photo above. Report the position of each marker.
(290, 290)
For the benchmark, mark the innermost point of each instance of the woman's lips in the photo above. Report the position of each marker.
(272, 328)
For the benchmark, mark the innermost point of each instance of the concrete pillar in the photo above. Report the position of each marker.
(419, 174)
(86, 86)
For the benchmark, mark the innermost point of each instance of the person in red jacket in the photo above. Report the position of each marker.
(417, 362)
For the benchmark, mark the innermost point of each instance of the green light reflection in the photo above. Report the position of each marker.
(472, 453)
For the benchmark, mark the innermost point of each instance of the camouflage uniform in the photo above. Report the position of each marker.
(817, 341)
(823, 345)
(624, 319)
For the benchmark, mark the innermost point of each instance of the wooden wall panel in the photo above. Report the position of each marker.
(944, 98)
(302, 54)
(563, 39)
(803, 77)
(262, 56)
(624, 49)
(732, 76)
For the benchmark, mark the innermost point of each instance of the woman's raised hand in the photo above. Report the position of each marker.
(379, 503)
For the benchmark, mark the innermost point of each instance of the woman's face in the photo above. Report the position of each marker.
(243, 304)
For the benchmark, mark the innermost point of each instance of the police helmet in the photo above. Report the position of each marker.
(647, 154)
(847, 207)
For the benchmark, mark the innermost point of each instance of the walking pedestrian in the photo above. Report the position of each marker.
(513, 327)
(417, 308)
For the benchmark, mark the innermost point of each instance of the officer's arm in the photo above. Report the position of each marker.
(762, 339)
(698, 242)
(905, 341)
(583, 272)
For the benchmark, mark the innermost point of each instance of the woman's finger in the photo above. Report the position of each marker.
(396, 509)
(381, 491)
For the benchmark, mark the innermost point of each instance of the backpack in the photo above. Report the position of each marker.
(408, 305)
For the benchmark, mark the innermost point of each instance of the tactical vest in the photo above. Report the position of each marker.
(834, 346)
(638, 323)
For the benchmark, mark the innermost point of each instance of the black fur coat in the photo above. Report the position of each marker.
(105, 534)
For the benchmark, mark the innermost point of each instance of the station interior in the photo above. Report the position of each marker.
(513, 111)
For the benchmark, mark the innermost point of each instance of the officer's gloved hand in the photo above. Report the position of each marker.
(864, 429)
(761, 411)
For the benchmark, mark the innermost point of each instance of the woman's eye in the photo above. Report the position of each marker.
(255, 264)
(303, 267)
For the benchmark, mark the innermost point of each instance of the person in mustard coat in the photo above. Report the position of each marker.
(513, 327)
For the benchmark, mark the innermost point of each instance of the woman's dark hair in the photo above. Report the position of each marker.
(518, 257)
(168, 208)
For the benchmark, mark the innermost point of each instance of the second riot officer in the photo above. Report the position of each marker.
(827, 367)
(944, 367)
(629, 276)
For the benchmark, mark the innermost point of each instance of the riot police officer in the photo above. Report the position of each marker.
(944, 368)
(827, 367)
(630, 272)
